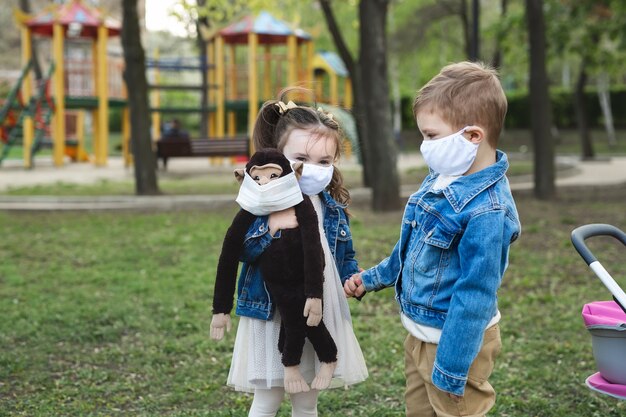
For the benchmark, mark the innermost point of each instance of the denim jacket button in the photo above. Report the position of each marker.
(342, 233)
(261, 228)
(413, 224)
(430, 233)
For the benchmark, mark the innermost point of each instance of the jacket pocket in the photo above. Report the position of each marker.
(434, 254)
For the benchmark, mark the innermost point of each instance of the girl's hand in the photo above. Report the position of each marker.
(284, 219)
(218, 323)
(313, 310)
(353, 287)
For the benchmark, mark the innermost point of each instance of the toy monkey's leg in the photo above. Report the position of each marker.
(323, 343)
(281, 337)
(295, 334)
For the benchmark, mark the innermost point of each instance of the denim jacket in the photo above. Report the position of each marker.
(449, 262)
(253, 299)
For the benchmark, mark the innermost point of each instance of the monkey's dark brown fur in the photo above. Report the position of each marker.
(293, 270)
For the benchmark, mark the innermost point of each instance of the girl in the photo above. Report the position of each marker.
(313, 137)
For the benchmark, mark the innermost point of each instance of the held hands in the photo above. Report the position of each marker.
(313, 310)
(353, 287)
(218, 323)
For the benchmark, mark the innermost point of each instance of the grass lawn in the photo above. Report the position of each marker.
(108, 314)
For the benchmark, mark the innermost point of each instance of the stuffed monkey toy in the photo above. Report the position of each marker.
(292, 268)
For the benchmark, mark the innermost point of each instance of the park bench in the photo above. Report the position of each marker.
(227, 146)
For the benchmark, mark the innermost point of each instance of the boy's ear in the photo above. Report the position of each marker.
(297, 168)
(476, 134)
(239, 173)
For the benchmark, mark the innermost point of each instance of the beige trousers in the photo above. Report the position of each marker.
(423, 399)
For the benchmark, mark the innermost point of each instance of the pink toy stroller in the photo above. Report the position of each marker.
(605, 320)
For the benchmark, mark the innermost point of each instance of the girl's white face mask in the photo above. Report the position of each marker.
(276, 195)
(315, 178)
(450, 155)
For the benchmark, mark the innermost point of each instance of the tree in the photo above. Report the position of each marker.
(371, 100)
(589, 33)
(135, 78)
(203, 22)
(541, 111)
(25, 7)
(415, 30)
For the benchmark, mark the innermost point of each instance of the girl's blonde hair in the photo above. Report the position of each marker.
(274, 125)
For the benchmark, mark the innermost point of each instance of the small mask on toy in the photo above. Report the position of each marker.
(265, 190)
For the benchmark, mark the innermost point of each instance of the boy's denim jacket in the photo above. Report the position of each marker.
(449, 262)
(253, 299)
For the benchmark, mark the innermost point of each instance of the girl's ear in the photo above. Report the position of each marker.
(297, 168)
(476, 134)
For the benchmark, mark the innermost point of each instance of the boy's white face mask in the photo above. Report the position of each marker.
(276, 195)
(315, 178)
(450, 155)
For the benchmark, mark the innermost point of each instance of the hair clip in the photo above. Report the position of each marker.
(282, 107)
(328, 114)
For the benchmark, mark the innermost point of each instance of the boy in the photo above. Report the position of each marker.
(453, 247)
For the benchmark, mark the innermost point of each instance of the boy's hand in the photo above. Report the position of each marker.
(218, 323)
(455, 398)
(353, 287)
(313, 310)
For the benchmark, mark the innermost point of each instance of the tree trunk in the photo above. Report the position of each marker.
(496, 61)
(371, 109)
(135, 78)
(374, 87)
(25, 7)
(582, 120)
(604, 96)
(467, 35)
(475, 55)
(541, 112)
(358, 110)
(204, 96)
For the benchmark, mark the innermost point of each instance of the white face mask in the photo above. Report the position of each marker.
(276, 195)
(315, 178)
(450, 155)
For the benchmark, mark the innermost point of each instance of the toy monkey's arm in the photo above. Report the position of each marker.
(312, 248)
(229, 261)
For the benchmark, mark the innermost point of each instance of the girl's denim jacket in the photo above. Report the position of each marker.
(449, 262)
(253, 299)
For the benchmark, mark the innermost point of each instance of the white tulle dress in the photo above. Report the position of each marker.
(256, 362)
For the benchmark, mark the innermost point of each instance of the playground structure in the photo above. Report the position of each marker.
(245, 63)
(248, 62)
(240, 76)
(80, 76)
(329, 65)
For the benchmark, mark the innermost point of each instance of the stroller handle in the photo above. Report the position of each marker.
(590, 230)
(578, 239)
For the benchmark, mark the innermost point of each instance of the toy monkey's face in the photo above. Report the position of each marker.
(265, 173)
(262, 174)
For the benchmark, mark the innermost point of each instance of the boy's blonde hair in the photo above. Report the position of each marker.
(464, 94)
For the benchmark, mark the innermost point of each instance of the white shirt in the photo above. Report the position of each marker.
(432, 334)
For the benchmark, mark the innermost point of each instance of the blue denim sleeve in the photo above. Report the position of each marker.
(349, 264)
(473, 302)
(257, 240)
(385, 273)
